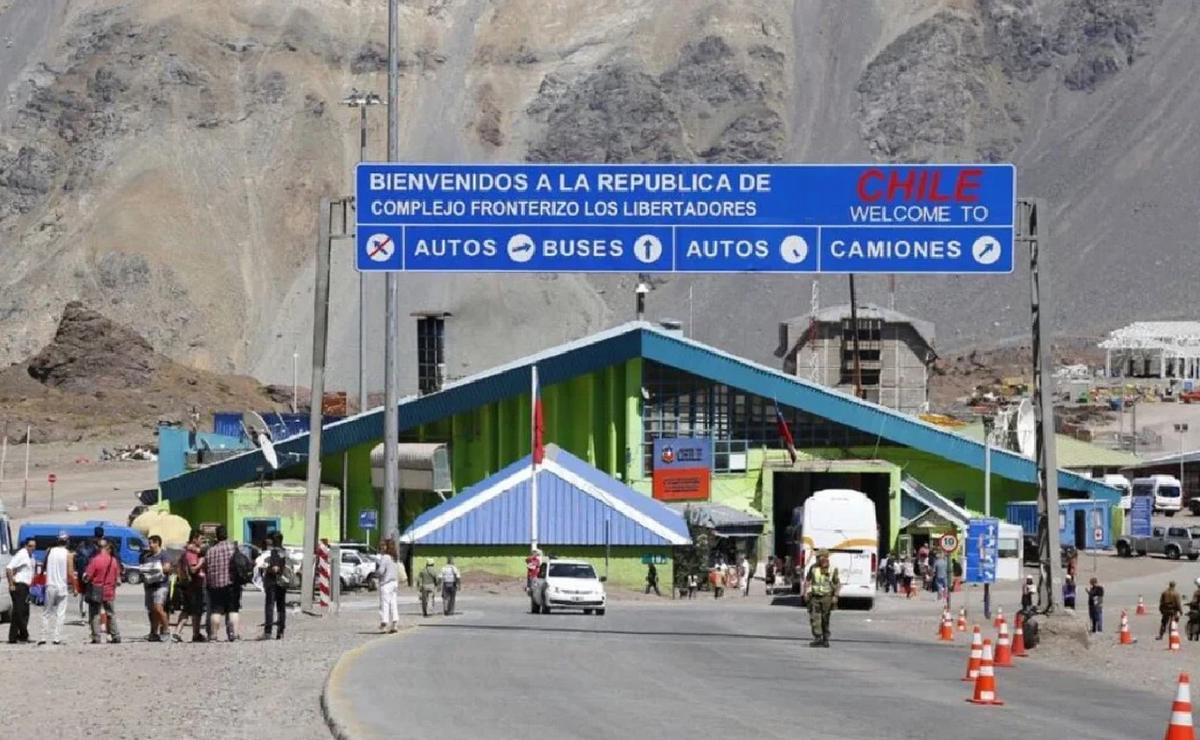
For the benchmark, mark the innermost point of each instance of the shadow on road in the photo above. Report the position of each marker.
(650, 633)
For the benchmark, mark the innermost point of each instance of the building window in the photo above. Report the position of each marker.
(678, 404)
(870, 347)
(431, 353)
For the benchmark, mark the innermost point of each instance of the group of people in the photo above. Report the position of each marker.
(932, 571)
(390, 573)
(735, 577)
(203, 585)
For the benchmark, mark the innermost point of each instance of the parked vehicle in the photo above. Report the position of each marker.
(1173, 542)
(1192, 396)
(1166, 490)
(6, 551)
(1122, 484)
(127, 543)
(843, 522)
(567, 584)
(1029, 551)
(357, 571)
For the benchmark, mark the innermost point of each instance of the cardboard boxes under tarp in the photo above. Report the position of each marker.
(251, 511)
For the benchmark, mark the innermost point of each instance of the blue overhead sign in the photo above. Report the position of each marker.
(686, 218)
(983, 550)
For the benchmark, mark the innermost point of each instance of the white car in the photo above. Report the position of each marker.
(567, 584)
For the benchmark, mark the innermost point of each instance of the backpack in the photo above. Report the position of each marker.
(183, 573)
(279, 559)
(83, 556)
(240, 567)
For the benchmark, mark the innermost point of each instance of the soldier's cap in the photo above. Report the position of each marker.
(822, 553)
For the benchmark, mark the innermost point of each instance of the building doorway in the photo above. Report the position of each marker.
(256, 530)
(792, 489)
(1080, 525)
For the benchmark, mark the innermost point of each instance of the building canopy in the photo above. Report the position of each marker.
(576, 505)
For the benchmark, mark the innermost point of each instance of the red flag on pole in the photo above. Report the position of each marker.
(785, 434)
(539, 427)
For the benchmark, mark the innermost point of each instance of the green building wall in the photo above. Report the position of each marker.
(625, 567)
(233, 506)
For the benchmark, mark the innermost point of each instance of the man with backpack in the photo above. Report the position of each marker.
(189, 582)
(83, 555)
(276, 578)
(219, 584)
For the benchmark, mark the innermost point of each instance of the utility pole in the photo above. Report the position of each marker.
(1031, 228)
(391, 360)
(858, 389)
(362, 101)
(1180, 429)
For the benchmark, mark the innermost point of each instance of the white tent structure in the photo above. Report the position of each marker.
(1147, 349)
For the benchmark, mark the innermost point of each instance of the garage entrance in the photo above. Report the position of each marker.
(792, 489)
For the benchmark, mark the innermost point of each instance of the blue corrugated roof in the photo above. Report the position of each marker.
(635, 339)
(574, 502)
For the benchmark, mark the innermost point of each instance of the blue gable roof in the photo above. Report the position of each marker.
(636, 339)
(574, 502)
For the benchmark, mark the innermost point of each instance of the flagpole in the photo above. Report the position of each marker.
(533, 457)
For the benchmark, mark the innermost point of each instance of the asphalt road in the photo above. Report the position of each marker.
(701, 668)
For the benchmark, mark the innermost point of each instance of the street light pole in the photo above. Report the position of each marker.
(362, 101)
(391, 371)
(295, 376)
(1181, 429)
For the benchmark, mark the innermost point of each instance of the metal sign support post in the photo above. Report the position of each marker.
(391, 360)
(333, 212)
(1031, 229)
(987, 504)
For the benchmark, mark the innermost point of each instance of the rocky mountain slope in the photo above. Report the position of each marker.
(164, 162)
(97, 378)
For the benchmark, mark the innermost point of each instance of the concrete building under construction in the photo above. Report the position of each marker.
(895, 352)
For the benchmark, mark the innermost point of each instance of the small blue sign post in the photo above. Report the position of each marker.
(368, 519)
(866, 218)
(1140, 512)
(983, 550)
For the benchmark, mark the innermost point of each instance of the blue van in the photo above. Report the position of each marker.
(127, 543)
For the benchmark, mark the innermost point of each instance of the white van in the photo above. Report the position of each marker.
(6, 553)
(1122, 484)
(1165, 489)
(843, 522)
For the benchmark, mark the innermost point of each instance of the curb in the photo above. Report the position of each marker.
(341, 726)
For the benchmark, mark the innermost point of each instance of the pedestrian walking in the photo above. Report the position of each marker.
(716, 577)
(155, 571)
(189, 580)
(427, 583)
(100, 590)
(277, 577)
(908, 575)
(388, 573)
(941, 576)
(19, 573)
(1170, 606)
(823, 587)
(60, 574)
(892, 574)
(241, 574)
(1095, 594)
(693, 583)
(451, 580)
(652, 579)
(1028, 591)
(1069, 593)
(532, 563)
(745, 574)
(83, 555)
(218, 584)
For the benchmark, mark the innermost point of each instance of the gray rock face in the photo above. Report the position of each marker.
(164, 163)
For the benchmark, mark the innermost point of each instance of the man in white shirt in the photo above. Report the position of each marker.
(20, 575)
(746, 576)
(60, 572)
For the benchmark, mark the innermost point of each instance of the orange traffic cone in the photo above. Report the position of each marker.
(946, 632)
(1180, 727)
(1174, 645)
(1018, 643)
(1126, 636)
(985, 685)
(976, 656)
(1141, 607)
(1003, 658)
(999, 618)
(962, 619)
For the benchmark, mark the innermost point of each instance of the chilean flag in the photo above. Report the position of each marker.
(539, 426)
(785, 434)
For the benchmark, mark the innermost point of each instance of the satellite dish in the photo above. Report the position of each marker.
(1026, 429)
(261, 437)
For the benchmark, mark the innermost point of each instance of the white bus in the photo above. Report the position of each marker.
(843, 522)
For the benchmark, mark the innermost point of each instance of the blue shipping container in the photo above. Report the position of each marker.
(1082, 523)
